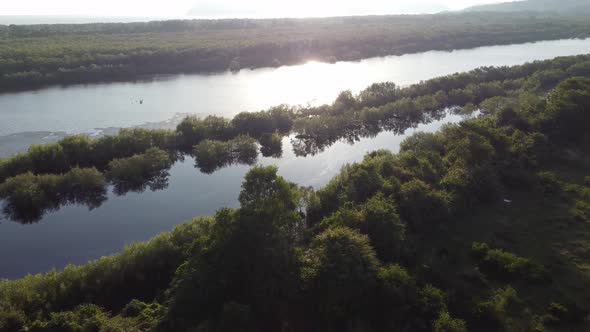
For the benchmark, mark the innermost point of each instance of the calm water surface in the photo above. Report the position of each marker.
(86, 107)
(75, 235)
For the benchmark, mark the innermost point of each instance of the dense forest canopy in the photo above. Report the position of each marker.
(481, 226)
(35, 55)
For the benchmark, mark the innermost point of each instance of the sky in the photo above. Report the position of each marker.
(228, 8)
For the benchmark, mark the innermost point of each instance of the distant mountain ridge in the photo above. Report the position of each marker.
(559, 6)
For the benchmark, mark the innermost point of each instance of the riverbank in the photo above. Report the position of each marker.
(35, 56)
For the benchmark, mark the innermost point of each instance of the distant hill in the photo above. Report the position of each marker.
(559, 6)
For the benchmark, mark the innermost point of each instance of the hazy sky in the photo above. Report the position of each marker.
(227, 7)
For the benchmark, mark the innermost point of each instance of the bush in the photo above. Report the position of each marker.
(140, 271)
(12, 321)
(507, 266)
(420, 204)
(397, 288)
(211, 155)
(431, 302)
(149, 169)
(339, 274)
(28, 196)
(363, 182)
(253, 124)
(378, 94)
(384, 227)
(503, 309)
(549, 183)
(85, 318)
(145, 315)
(567, 111)
(445, 323)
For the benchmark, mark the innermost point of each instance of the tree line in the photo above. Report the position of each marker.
(37, 55)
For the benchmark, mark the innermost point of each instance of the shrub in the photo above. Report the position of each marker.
(420, 204)
(149, 169)
(211, 155)
(431, 302)
(549, 183)
(503, 309)
(12, 321)
(384, 227)
(339, 273)
(28, 196)
(507, 266)
(445, 323)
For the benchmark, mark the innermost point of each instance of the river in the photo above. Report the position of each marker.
(74, 234)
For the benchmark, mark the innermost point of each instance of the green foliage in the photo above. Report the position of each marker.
(384, 228)
(211, 155)
(12, 321)
(145, 315)
(85, 318)
(193, 130)
(340, 272)
(445, 323)
(395, 280)
(263, 190)
(140, 271)
(378, 94)
(37, 55)
(377, 219)
(364, 182)
(248, 258)
(507, 92)
(80, 151)
(567, 111)
(507, 266)
(422, 142)
(431, 301)
(28, 196)
(149, 169)
(504, 309)
(420, 204)
(253, 124)
(581, 210)
(550, 184)
(340, 258)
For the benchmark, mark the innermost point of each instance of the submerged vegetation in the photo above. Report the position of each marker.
(37, 55)
(136, 159)
(481, 226)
